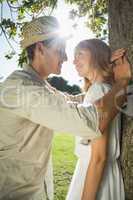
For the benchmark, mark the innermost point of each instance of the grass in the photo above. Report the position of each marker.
(64, 162)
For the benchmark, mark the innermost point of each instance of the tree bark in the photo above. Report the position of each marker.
(121, 35)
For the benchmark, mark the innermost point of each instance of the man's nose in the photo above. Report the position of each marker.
(75, 61)
(65, 58)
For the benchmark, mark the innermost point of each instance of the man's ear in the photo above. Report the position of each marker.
(40, 47)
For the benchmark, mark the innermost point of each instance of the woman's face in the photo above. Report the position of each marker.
(82, 61)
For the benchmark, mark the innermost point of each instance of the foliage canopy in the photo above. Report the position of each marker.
(14, 13)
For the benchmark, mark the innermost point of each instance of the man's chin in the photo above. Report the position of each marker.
(58, 72)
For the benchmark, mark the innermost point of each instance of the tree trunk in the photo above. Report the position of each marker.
(121, 35)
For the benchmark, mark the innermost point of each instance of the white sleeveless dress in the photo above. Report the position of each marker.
(111, 187)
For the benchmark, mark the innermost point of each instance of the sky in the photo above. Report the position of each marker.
(80, 33)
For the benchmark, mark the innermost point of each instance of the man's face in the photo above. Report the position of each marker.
(55, 55)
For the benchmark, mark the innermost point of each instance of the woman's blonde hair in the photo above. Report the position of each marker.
(100, 58)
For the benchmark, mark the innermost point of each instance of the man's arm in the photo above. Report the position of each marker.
(69, 97)
(76, 98)
(49, 109)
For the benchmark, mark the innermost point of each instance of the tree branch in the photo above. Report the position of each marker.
(54, 4)
(5, 34)
(11, 6)
(10, 11)
(1, 16)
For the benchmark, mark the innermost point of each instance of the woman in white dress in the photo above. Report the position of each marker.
(97, 175)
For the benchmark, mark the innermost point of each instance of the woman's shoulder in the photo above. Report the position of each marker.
(96, 91)
(99, 87)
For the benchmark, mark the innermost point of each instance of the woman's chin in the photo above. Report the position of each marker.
(80, 74)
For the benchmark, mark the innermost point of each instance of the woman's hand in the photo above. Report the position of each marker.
(122, 69)
(117, 54)
(121, 65)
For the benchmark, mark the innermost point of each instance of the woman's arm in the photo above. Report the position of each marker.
(96, 167)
